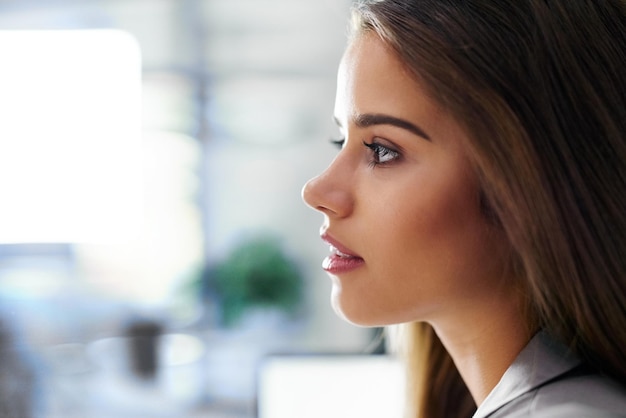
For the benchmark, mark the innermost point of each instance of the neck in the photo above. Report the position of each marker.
(484, 344)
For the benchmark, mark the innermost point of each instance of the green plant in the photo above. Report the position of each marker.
(256, 273)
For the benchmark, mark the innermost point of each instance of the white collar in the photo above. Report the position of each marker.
(543, 359)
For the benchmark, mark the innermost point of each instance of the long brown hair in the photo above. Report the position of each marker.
(539, 87)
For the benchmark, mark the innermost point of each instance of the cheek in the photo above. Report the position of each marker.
(440, 218)
(456, 249)
(449, 233)
(426, 251)
(438, 250)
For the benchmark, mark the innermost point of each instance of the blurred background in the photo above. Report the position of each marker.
(180, 254)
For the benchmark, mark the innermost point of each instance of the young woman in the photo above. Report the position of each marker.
(479, 200)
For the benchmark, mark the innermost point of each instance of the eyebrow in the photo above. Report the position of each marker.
(365, 120)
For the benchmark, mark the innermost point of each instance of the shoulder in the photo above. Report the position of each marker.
(547, 381)
(577, 394)
(582, 395)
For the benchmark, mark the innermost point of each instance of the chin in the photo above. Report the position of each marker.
(360, 316)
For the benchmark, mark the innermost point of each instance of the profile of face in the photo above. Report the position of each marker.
(401, 202)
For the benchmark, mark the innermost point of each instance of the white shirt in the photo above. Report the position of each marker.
(547, 381)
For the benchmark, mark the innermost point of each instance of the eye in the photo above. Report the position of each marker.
(381, 154)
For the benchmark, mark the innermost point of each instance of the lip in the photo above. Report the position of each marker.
(342, 259)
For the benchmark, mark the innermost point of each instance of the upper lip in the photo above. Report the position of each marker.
(337, 245)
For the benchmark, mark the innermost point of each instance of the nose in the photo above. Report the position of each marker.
(330, 193)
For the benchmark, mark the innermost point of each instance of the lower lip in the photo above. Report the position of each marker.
(335, 264)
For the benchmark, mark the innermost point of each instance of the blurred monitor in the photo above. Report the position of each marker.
(330, 386)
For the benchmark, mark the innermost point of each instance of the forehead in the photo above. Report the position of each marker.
(368, 59)
(372, 79)
(371, 74)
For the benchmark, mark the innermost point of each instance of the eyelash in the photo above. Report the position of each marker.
(379, 152)
(338, 142)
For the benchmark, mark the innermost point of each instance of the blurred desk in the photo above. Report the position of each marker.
(96, 381)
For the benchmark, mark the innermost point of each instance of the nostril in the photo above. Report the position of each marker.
(313, 195)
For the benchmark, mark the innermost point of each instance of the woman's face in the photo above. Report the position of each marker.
(401, 201)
